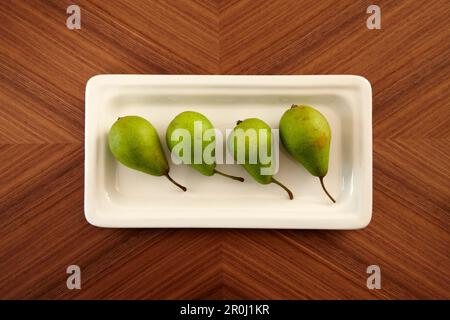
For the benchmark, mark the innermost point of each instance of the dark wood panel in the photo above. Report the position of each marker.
(43, 71)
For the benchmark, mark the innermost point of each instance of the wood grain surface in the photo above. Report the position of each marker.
(44, 68)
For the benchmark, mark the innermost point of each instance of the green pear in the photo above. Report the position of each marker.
(187, 121)
(247, 152)
(306, 135)
(134, 142)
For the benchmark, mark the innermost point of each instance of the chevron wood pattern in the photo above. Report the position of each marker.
(43, 71)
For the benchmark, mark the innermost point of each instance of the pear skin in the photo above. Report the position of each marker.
(134, 142)
(186, 120)
(254, 169)
(306, 135)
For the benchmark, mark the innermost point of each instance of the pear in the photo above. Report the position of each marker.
(306, 135)
(134, 142)
(187, 121)
(252, 146)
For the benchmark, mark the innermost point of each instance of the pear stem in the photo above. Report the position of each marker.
(176, 183)
(291, 196)
(324, 189)
(229, 176)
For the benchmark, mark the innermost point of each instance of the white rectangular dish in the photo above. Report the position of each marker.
(116, 196)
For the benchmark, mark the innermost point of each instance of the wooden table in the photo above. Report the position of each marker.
(44, 67)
